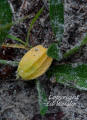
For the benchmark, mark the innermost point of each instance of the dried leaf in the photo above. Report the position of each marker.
(15, 46)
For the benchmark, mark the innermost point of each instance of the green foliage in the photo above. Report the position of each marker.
(53, 51)
(57, 17)
(32, 24)
(5, 18)
(29, 30)
(6, 22)
(65, 74)
(57, 21)
(41, 98)
(74, 75)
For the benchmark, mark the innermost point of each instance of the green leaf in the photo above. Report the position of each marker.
(57, 17)
(32, 24)
(5, 18)
(15, 38)
(74, 75)
(53, 51)
(57, 21)
(42, 99)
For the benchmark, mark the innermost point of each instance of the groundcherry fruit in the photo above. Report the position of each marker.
(34, 63)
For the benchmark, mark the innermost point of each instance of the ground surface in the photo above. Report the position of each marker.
(18, 99)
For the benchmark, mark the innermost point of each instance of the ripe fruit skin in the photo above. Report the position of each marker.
(34, 63)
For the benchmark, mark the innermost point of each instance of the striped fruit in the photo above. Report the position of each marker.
(34, 63)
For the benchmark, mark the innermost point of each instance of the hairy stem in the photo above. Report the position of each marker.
(12, 63)
(76, 48)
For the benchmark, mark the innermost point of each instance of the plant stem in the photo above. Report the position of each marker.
(71, 52)
(12, 63)
(32, 23)
(76, 48)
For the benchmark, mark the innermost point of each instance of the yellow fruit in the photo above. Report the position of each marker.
(34, 63)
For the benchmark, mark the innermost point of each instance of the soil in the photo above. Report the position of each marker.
(18, 98)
